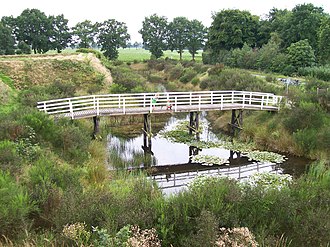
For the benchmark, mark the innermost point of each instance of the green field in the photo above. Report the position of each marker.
(131, 54)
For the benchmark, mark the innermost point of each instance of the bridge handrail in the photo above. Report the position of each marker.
(146, 100)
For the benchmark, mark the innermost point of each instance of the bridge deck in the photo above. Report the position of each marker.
(125, 104)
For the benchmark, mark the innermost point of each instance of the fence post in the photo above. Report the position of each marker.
(71, 108)
(45, 108)
(97, 107)
(221, 101)
(176, 103)
(243, 99)
(124, 106)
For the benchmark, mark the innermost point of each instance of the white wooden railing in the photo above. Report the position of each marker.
(120, 104)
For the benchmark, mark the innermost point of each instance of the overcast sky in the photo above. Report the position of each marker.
(133, 12)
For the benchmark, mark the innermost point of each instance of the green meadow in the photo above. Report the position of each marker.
(133, 54)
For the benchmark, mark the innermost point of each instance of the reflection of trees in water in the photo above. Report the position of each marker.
(123, 154)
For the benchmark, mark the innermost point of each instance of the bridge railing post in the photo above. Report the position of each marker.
(124, 106)
(45, 108)
(119, 101)
(176, 103)
(250, 101)
(150, 110)
(221, 102)
(144, 100)
(199, 102)
(262, 102)
(211, 98)
(232, 97)
(243, 100)
(190, 98)
(71, 108)
(97, 106)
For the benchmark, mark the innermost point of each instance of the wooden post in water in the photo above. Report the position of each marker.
(96, 130)
(236, 122)
(147, 134)
(194, 124)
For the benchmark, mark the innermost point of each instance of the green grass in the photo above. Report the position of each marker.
(131, 54)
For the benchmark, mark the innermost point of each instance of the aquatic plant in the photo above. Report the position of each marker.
(208, 160)
(265, 156)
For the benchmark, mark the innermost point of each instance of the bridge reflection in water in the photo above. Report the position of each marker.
(173, 178)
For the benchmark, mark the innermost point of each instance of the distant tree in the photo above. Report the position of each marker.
(196, 37)
(61, 36)
(112, 35)
(34, 28)
(85, 32)
(154, 34)
(303, 23)
(7, 42)
(268, 52)
(301, 54)
(324, 41)
(136, 44)
(178, 34)
(232, 29)
(23, 48)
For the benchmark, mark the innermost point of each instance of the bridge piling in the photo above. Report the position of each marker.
(147, 133)
(236, 122)
(96, 129)
(194, 124)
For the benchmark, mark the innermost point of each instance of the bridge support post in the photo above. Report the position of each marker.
(147, 133)
(96, 130)
(194, 124)
(236, 122)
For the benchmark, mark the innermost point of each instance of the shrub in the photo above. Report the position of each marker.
(216, 69)
(318, 72)
(195, 81)
(188, 75)
(9, 159)
(174, 72)
(15, 207)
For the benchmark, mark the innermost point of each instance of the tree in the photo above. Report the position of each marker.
(196, 37)
(178, 34)
(112, 35)
(23, 48)
(324, 44)
(303, 23)
(231, 29)
(34, 28)
(61, 35)
(85, 33)
(268, 52)
(7, 43)
(154, 34)
(301, 54)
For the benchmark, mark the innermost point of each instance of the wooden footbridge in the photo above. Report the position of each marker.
(95, 106)
(146, 103)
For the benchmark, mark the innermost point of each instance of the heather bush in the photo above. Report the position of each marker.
(15, 207)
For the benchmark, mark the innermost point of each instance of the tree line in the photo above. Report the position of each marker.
(301, 33)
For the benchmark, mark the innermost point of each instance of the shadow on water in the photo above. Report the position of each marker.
(170, 163)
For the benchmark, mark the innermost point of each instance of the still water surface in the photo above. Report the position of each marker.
(170, 162)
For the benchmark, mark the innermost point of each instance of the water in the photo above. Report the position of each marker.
(170, 162)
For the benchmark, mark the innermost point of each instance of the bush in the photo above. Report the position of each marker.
(188, 75)
(174, 72)
(216, 69)
(15, 207)
(320, 72)
(9, 159)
